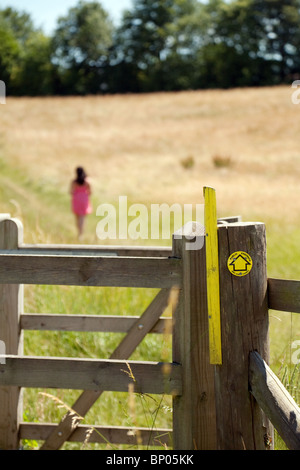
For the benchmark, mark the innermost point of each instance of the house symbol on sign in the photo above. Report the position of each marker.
(240, 263)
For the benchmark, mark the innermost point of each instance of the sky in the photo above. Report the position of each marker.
(44, 13)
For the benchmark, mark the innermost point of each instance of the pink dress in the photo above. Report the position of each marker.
(80, 200)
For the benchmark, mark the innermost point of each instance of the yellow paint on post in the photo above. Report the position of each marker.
(212, 273)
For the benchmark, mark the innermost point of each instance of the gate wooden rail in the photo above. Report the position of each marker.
(214, 406)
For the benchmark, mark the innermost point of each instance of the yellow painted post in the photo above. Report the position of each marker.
(212, 274)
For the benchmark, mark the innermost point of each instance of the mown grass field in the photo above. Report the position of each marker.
(152, 148)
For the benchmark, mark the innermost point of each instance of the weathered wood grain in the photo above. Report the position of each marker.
(245, 327)
(90, 374)
(89, 271)
(11, 306)
(103, 434)
(92, 323)
(194, 412)
(275, 400)
(94, 250)
(284, 295)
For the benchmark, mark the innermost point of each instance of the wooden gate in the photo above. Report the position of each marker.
(216, 404)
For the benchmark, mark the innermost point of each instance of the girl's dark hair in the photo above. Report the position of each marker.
(81, 175)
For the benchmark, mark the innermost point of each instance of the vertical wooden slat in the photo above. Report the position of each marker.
(212, 273)
(194, 418)
(11, 307)
(241, 424)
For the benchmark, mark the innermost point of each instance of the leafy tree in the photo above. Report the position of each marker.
(149, 41)
(81, 43)
(24, 55)
(20, 24)
(250, 42)
(36, 72)
(231, 55)
(160, 45)
(9, 52)
(279, 21)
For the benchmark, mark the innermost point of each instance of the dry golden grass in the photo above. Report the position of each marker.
(135, 145)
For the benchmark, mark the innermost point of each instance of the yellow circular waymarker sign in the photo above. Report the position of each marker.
(239, 263)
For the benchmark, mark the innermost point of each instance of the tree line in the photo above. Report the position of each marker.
(159, 45)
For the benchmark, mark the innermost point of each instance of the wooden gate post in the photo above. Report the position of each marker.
(244, 328)
(194, 419)
(11, 306)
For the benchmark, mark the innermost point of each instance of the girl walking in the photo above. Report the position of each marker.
(80, 192)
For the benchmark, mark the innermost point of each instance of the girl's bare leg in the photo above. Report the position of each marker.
(80, 224)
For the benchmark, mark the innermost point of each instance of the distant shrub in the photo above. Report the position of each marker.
(221, 161)
(188, 162)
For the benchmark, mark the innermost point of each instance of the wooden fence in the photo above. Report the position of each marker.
(227, 406)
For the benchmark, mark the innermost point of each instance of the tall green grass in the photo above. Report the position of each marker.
(112, 408)
(283, 262)
(45, 212)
